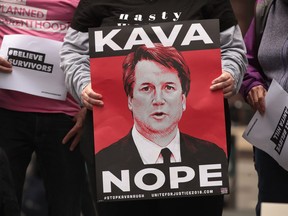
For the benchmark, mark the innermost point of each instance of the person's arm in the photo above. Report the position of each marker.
(76, 66)
(75, 62)
(234, 62)
(254, 87)
(76, 132)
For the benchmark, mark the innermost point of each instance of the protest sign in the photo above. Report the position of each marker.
(138, 111)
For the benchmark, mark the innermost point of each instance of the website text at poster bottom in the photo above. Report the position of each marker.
(160, 195)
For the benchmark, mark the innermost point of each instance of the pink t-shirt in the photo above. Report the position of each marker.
(42, 18)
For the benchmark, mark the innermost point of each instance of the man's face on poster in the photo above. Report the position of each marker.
(157, 101)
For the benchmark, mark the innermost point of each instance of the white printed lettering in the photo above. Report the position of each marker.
(205, 175)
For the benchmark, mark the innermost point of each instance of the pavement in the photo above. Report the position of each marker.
(238, 213)
(243, 178)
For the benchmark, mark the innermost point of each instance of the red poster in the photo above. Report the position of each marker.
(155, 83)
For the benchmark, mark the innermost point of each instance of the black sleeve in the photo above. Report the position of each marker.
(222, 10)
(91, 13)
(87, 15)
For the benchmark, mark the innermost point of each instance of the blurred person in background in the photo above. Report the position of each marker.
(51, 128)
(267, 48)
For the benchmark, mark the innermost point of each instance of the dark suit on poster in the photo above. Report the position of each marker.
(123, 155)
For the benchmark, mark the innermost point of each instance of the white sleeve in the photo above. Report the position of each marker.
(75, 62)
(233, 54)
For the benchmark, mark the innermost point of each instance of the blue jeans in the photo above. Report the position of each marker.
(63, 171)
(272, 180)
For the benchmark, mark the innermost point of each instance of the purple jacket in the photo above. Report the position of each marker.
(254, 75)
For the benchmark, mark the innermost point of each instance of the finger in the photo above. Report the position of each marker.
(69, 135)
(261, 101)
(89, 101)
(228, 95)
(222, 82)
(90, 105)
(228, 87)
(220, 79)
(253, 96)
(249, 99)
(256, 98)
(94, 95)
(221, 85)
(5, 66)
(4, 62)
(87, 105)
(88, 92)
(228, 91)
(217, 86)
(96, 102)
(261, 106)
(5, 69)
(75, 142)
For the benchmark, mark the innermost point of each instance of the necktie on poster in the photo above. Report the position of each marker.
(166, 154)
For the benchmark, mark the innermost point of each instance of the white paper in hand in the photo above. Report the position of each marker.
(269, 132)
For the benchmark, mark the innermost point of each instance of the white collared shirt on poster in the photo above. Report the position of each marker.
(150, 152)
